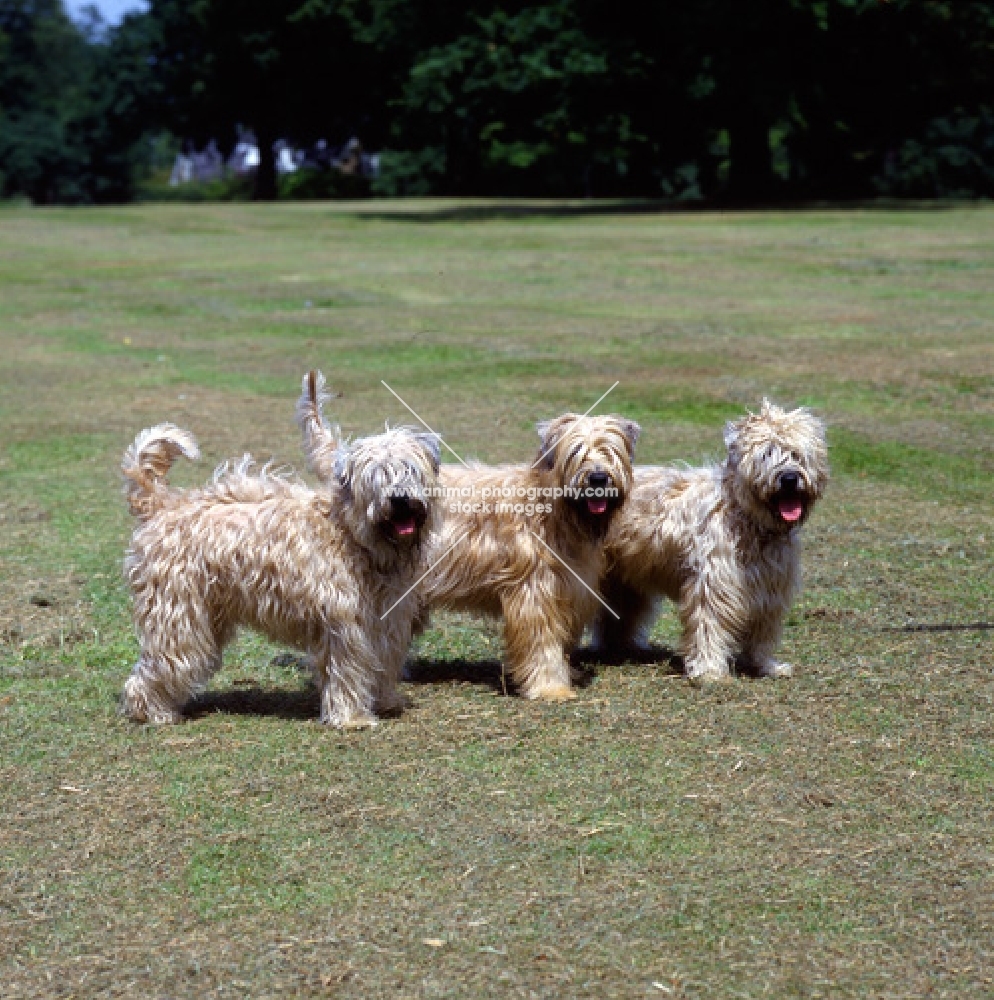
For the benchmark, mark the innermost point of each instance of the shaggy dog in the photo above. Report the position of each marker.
(329, 572)
(723, 542)
(527, 543)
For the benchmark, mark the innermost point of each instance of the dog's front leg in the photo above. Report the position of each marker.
(534, 637)
(758, 654)
(710, 613)
(346, 670)
(392, 648)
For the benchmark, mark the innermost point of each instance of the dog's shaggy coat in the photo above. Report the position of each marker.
(723, 542)
(506, 562)
(316, 570)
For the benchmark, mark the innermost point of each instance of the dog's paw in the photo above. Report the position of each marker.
(392, 704)
(350, 722)
(551, 692)
(139, 707)
(153, 717)
(701, 676)
(164, 717)
(774, 668)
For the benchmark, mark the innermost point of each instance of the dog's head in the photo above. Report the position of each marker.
(778, 460)
(591, 459)
(389, 488)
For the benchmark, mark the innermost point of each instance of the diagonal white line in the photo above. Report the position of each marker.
(602, 398)
(577, 575)
(582, 415)
(425, 573)
(425, 422)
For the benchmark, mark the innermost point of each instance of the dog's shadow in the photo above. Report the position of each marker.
(490, 674)
(293, 704)
(493, 675)
(303, 703)
(589, 658)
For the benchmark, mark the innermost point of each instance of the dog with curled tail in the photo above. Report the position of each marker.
(329, 571)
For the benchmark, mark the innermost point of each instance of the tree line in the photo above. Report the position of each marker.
(719, 100)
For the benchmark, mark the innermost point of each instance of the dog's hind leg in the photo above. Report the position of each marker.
(176, 661)
(627, 634)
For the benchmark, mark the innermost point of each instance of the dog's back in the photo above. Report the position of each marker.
(252, 547)
(651, 538)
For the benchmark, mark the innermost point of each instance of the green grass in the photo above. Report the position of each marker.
(824, 836)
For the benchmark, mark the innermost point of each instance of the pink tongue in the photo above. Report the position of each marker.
(597, 506)
(791, 510)
(405, 527)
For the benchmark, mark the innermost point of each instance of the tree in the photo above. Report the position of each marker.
(45, 64)
(283, 68)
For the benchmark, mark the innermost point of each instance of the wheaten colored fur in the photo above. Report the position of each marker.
(503, 564)
(316, 570)
(723, 542)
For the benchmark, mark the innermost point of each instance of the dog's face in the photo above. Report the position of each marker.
(592, 457)
(780, 463)
(389, 485)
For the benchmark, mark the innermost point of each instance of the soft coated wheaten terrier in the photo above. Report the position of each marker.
(329, 572)
(723, 542)
(527, 543)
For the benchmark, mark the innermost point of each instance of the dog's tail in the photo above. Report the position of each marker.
(321, 440)
(148, 460)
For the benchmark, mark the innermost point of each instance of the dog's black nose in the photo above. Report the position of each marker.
(790, 481)
(598, 480)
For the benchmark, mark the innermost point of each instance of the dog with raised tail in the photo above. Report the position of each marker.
(330, 572)
(723, 542)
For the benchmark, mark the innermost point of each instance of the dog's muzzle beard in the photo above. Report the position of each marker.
(790, 502)
(404, 521)
(596, 499)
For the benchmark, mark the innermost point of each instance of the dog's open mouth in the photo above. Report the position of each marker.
(789, 507)
(597, 497)
(791, 510)
(406, 516)
(404, 526)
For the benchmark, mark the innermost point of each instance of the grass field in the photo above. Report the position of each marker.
(829, 836)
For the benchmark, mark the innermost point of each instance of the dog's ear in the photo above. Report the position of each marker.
(770, 410)
(632, 432)
(341, 469)
(432, 444)
(550, 432)
(732, 430)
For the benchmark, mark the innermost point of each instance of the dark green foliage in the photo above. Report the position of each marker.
(44, 65)
(71, 105)
(762, 101)
(309, 184)
(754, 102)
(283, 68)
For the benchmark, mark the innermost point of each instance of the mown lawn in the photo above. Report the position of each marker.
(830, 835)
